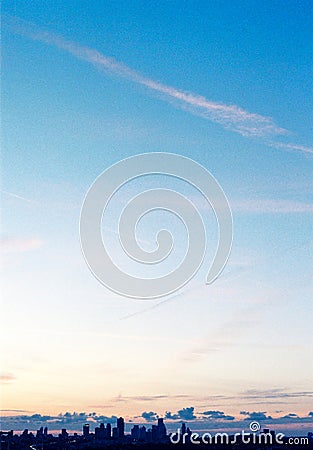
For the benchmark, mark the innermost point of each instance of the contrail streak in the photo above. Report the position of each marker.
(231, 117)
(19, 197)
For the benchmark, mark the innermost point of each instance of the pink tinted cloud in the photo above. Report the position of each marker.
(18, 245)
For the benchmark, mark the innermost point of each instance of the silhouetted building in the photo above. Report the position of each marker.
(161, 430)
(102, 431)
(142, 434)
(149, 436)
(39, 433)
(86, 430)
(120, 427)
(154, 433)
(64, 433)
(140, 437)
(135, 433)
(184, 434)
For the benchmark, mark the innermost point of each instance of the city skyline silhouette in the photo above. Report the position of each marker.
(156, 231)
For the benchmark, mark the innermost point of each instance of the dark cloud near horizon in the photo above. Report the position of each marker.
(291, 416)
(187, 413)
(72, 421)
(169, 416)
(149, 416)
(182, 414)
(261, 415)
(217, 419)
(216, 415)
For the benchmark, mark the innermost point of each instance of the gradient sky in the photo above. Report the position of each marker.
(228, 84)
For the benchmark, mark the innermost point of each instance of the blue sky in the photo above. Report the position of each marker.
(66, 119)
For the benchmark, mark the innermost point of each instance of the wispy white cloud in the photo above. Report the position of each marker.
(291, 147)
(230, 116)
(13, 245)
(258, 205)
(224, 336)
(247, 205)
(271, 206)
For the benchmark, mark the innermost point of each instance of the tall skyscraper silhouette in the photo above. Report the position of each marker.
(120, 427)
(161, 429)
(86, 430)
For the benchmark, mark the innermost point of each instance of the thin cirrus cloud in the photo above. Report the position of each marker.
(291, 147)
(224, 336)
(274, 394)
(271, 206)
(6, 377)
(257, 205)
(231, 117)
(19, 245)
